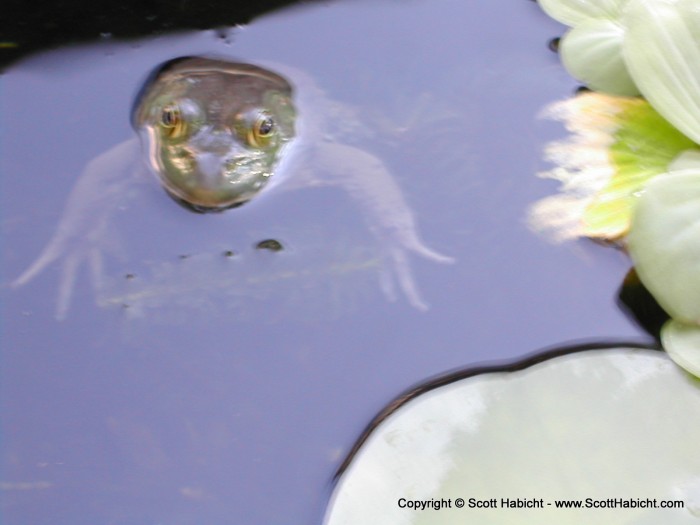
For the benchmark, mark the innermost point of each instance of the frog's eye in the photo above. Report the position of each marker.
(171, 121)
(262, 130)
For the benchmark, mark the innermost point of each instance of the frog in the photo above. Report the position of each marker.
(216, 134)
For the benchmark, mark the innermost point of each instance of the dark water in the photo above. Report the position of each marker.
(201, 388)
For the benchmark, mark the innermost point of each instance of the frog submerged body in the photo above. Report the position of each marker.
(216, 134)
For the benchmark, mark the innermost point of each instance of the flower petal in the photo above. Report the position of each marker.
(574, 12)
(592, 53)
(617, 145)
(644, 146)
(662, 51)
(682, 342)
(664, 242)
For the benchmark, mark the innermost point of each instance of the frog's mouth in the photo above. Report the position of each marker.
(209, 181)
(223, 182)
(196, 208)
(212, 176)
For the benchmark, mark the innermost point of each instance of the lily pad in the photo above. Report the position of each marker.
(616, 423)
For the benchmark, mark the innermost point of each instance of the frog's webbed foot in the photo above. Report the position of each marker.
(366, 178)
(398, 268)
(48, 255)
(399, 263)
(81, 236)
(71, 265)
(75, 246)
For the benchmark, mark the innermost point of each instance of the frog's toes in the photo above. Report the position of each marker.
(406, 280)
(71, 268)
(49, 255)
(408, 240)
(386, 283)
(433, 255)
(67, 283)
(413, 242)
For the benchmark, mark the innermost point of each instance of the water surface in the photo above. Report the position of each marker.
(226, 390)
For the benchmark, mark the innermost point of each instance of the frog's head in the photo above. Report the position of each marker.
(214, 131)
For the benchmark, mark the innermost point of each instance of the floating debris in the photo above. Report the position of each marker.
(270, 244)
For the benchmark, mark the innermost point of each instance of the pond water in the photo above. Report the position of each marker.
(202, 386)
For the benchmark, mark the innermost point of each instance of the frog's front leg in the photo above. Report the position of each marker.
(81, 233)
(366, 178)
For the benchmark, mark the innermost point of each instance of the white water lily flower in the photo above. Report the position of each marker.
(664, 243)
(632, 166)
(628, 47)
(582, 163)
(626, 173)
(616, 146)
(592, 50)
(662, 51)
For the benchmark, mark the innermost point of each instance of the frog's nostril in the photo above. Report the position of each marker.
(210, 166)
(218, 143)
